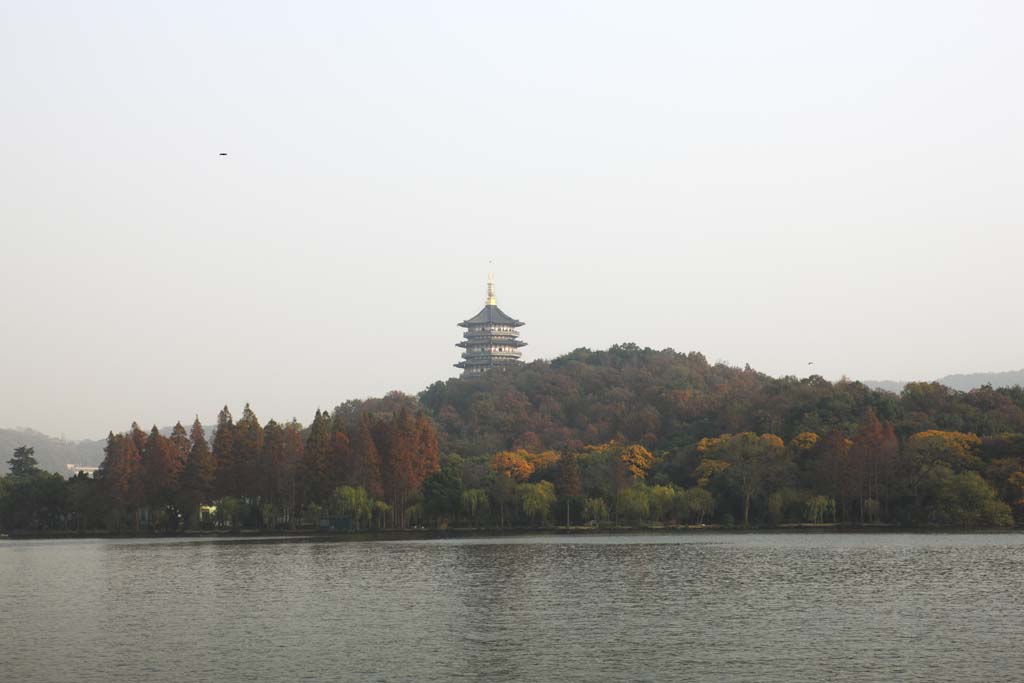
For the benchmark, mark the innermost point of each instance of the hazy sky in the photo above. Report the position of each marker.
(768, 183)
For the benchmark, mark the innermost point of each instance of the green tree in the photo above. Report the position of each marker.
(474, 504)
(815, 509)
(23, 463)
(442, 490)
(596, 509)
(633, 503)
(753, 462)
(536, 500)
(662, 501)
(353, 501)
(700, 504)
(965, 500)
(568, 482)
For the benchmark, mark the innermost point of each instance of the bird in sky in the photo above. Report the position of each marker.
(223, 154)
(810, 362)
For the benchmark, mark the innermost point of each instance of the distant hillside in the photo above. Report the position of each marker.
(52, 454)
(670, 400)
(967, 382)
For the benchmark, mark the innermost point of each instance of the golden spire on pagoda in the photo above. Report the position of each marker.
(491, 301)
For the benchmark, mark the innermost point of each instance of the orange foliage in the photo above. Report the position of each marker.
(708, 468)
(804, 441)
(637, 460)
(513, 464)
(542, 460)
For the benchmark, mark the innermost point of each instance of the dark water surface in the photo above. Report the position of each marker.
(770, 607)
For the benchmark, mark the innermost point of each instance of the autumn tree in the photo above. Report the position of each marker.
(339, 453)
(223, 453)
(180, 442)
(199, 474)
(138, 436)
(513, 465)
(160, 471)
(120, 473)
(294, 452)
(364, 469)
(957, 450)
(427, 451)
(397, 440)
(316, 465)
(246, 447)
(872, 462)
(925, 451)
(623, 463)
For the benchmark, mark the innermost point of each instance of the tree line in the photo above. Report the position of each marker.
(250, 475)
(626, 436)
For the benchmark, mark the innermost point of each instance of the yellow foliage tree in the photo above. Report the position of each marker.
(804, 441)
(541, 461)
(956, 449)
(513, 464)
(637, 459)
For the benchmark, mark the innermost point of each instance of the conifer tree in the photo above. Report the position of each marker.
(271, 455)
(365, 458)
(289, 482)
(223, 455)
(339, 454)
(200, 471)
(160, 469)
(428, 453)
(315, 470)
(120, 473)
(180, 442)
(23, 463)
(139, 437)
(398, 443)
(246, 448)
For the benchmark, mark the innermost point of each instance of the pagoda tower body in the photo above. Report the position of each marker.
(491, 339)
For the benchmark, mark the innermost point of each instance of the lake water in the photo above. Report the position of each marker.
(702, 607)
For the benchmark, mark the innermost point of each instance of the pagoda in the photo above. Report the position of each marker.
(491, 339)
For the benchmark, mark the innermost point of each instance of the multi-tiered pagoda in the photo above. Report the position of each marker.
(491, 339)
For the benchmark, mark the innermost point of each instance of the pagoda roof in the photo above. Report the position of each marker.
(491, 314)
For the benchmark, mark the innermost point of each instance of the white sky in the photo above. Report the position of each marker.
(768, 183)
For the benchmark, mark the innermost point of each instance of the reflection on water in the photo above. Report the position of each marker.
(773, 607)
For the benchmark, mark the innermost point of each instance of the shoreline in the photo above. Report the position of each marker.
(498, 532)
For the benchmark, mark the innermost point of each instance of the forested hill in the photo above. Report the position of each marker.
(665, 400)
(53, 454)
